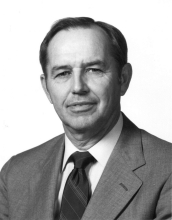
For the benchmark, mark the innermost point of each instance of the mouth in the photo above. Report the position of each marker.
(81, 106)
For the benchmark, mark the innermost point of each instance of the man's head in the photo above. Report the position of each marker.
(81, 74)
(117, 41)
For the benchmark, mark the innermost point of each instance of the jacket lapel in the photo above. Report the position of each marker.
(118, 183)
(116, 187)
(45, 185)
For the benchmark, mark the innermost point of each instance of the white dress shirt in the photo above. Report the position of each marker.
(100, 151)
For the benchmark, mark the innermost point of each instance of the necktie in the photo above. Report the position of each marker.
(76, 193)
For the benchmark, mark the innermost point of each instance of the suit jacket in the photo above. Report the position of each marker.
(135, 184)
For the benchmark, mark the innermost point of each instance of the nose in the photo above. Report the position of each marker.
(79, 84)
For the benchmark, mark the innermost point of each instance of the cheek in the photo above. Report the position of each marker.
(58, 95)
(103, 91)
(108, 94)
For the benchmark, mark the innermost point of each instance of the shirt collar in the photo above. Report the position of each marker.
(100, 151)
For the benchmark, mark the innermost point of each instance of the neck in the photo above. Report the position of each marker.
(84, 140)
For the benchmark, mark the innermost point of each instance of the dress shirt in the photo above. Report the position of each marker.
(100, 151)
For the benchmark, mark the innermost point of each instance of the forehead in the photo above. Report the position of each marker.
(78, 44)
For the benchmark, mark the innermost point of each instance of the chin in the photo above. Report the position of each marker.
(80, 125)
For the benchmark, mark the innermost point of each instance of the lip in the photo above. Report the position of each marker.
(81, 106)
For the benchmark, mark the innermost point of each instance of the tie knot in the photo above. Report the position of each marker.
(81, 159)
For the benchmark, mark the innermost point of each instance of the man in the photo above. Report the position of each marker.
(125, 173)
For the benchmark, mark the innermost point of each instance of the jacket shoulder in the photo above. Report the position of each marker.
(40, 150)
(33, 158)
(155, 142)
(157, 152)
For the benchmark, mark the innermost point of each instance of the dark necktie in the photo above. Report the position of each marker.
(77, 192)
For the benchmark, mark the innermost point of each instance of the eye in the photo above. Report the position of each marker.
(94, 70)
(63, 74)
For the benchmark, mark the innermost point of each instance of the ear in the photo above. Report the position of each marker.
(125, 78)
(44, 86)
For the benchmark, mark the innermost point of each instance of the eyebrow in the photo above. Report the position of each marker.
(86, 64)
(55, 68)
(96, 62)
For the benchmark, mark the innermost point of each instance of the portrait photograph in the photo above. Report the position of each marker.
(86, 110)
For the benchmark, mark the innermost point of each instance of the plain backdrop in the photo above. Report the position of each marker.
(26, 117)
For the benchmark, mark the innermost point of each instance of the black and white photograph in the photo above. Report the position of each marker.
(86, 110)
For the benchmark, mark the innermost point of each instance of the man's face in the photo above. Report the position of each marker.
(82, 79)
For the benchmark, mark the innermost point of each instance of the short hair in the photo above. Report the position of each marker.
(118, 43)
